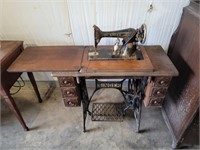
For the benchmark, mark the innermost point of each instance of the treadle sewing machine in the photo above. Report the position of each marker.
(147, 69)
(135, 93)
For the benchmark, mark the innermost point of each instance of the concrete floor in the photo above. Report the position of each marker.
(54, 126)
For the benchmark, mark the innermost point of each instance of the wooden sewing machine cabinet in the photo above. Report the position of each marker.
(71, 66)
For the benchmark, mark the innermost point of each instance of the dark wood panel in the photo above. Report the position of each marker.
(182, 100)
(9, 51)
(7, 48)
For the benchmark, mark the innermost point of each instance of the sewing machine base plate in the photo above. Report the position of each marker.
(107, 54)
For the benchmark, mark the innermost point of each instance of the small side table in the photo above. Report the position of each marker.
(9, 51)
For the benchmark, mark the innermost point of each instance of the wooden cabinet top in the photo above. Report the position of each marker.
(72, 61)
(7, 48)
(49, 59)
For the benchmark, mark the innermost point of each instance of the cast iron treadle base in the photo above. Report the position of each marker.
(107, 112)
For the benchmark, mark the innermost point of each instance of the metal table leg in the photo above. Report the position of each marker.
(134, 97)
(85, 101)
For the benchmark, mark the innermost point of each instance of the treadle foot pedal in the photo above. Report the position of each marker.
(107, 112)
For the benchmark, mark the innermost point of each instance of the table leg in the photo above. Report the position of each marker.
(85, 101)
(134, 97)
(32, 79)
(11, 103)
(137, 114)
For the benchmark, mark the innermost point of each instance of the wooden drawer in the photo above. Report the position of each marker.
(69, 92)
(71, 101)
(158, 92)
(156, 101)
(162, 81)
(66, 81)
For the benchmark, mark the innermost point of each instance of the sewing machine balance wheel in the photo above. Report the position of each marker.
(144, 32)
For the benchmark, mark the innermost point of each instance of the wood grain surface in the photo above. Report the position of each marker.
(48, 58)
(73, 61)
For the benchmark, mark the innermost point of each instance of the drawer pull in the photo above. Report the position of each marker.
(156, 101)
(69, 93)
(66, 82)
(158, 92)
(162, 82)
(71, 102)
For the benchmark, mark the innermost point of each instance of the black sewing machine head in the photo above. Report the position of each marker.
(128, 49)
